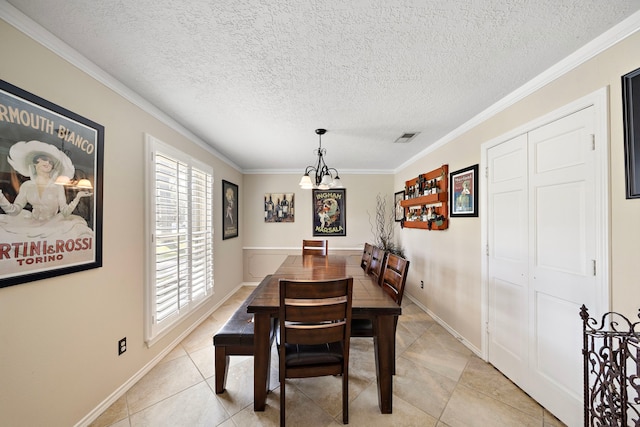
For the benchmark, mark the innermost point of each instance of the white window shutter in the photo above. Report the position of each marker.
(181, 251)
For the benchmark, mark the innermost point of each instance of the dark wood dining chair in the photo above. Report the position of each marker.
(314, 332)
(393, 280)
(376, 263)
(315, 247)
(366, 256)
(394, 276)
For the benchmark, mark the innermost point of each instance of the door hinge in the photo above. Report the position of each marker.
(486, 172)
(593, 142)
(593, 263)
(487, 250)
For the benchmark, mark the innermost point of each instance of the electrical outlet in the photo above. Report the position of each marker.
(421, 284)
(122, 346)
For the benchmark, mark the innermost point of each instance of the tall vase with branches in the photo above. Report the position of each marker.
(382, 226)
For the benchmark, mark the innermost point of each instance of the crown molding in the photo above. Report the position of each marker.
(598, 45)
(301, 171)
(26, 25)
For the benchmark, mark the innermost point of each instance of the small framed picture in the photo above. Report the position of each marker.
(279, 207)
(399, 210)
(463, 192)
(229, 210)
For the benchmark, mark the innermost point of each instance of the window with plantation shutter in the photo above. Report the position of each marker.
(180, 230)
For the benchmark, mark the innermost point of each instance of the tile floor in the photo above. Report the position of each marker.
(438, 382)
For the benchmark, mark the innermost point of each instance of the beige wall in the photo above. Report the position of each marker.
(266, 244)
(449, 262)
(58, 337)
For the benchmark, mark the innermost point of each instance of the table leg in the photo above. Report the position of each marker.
(384, 345)
(261, 360)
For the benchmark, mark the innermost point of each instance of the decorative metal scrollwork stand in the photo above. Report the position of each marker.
(611, 351)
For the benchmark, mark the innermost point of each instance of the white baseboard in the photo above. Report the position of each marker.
(449, 329)
(120, 391)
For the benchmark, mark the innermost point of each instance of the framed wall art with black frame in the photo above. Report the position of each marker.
(631, 117)
(229, 210)
(329, 212)
(463, 192)
(51, 162)
(398, 209)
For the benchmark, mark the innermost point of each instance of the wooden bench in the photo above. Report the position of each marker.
(235, 338)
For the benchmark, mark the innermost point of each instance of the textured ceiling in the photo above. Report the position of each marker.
(255, 78)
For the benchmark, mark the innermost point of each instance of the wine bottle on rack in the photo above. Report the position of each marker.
(270, 208)
(285, 207)
(278, 211)
(266, 207)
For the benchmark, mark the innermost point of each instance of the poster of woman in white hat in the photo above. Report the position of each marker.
(50, 188)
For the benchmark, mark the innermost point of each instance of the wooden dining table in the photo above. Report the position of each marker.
(369, 301)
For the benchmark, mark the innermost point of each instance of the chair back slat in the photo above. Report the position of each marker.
(315, 247)
(329, 312)
(299, 334)
(312, 290)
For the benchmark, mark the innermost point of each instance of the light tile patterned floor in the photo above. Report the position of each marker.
(438, 382)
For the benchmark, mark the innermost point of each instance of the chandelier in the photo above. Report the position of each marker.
(325, 177)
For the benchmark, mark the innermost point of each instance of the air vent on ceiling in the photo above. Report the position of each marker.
(406, 137)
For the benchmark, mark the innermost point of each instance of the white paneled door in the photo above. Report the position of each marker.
(542, 258)
(509, 257)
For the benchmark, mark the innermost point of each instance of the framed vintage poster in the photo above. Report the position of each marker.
(398, 209)
(330, 212)
(464, 192)
(279, 207)
(50, 189)
(631, 116)
(229, 210)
